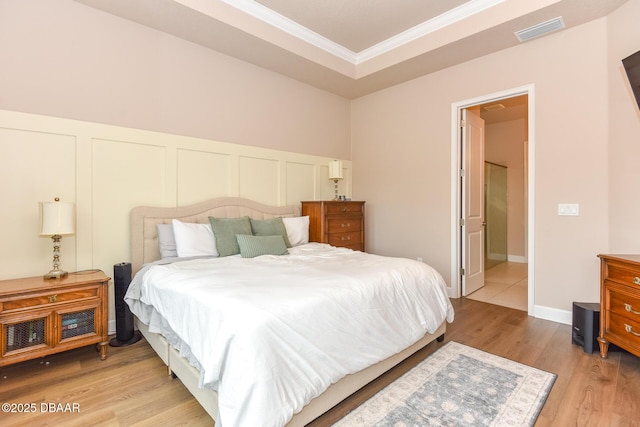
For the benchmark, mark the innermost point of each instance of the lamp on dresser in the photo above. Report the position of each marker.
(57, 219)
(335, 174)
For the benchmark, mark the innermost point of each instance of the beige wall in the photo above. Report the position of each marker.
(64, 59)
(504, 145)
(624, 133)
(402, 158)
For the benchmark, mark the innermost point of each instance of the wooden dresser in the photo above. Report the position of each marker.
(40, 317)
(619, 303)
(336, 223)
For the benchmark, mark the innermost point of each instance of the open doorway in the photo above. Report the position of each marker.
(505, 260)
(507, 199)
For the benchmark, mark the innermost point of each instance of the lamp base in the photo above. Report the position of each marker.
(55, 274)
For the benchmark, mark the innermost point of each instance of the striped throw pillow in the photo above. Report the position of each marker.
(253, 246)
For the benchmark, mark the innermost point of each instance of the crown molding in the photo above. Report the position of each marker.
(439, 22)
(263, 13)
(285, 24)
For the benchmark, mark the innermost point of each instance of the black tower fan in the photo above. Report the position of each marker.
(125, 334)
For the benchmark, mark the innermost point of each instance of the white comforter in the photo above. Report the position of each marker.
(271, 333)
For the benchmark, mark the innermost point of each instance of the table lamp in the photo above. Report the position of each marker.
(57, 219)
(335, 174)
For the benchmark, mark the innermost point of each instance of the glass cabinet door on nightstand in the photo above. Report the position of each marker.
(78, 322)
(24, 333)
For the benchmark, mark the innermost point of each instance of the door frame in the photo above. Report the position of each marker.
(456, 191)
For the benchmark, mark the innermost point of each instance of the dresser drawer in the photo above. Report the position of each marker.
(623, 274)
(351, 240)
(344, 225)
(625, 332)
(344, 208)
(34, 301)
(624, 305)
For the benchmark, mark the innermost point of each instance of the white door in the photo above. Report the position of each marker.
(473, 222)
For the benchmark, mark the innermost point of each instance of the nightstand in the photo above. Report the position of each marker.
(619, 303)
(336, 223)
(39, 317)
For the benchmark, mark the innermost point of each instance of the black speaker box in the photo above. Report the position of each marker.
(586, 325)
(125, 333)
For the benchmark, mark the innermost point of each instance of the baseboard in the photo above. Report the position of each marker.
(553, 314)
(539, 311)
(112, 327)
(511, 258)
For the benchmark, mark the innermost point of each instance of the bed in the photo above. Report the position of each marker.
(317, 394)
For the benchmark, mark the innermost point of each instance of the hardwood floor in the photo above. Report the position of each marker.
(132, 388)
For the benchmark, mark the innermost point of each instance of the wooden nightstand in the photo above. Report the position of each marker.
(619, 303)
(40, 317)
(336, 223)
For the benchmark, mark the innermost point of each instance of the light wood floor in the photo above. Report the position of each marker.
(132, 387)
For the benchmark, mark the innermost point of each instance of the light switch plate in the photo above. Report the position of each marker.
(570, 209)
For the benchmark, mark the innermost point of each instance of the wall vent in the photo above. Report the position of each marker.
(541, 29)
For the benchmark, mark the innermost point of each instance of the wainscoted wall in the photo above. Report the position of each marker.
(107, 170)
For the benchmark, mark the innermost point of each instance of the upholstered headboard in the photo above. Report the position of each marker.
(144, 233)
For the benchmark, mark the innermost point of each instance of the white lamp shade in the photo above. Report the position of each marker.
(57, 218)
(335, 169)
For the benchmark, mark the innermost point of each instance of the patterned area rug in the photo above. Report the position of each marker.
(458, 386)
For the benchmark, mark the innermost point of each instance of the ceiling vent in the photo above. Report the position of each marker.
(541, 29)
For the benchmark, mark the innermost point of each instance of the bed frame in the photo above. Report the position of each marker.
(144, 248)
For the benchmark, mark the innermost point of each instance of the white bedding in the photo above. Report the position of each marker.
(271, 333)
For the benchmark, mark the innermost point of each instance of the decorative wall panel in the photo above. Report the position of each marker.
(107, 170)
(36, 167)
(203, 175)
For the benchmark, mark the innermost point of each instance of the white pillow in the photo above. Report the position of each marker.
(297, 229)
(194, 239)
(166, 241)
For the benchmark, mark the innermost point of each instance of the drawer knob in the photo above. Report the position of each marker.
(346, 238)
(629, 308)
(347, 225)
(629, 329)
(636, 280)
(53, 298)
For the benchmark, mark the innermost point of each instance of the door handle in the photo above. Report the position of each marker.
(629, 329)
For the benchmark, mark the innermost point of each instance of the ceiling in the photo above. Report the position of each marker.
(504, 110)
(353, 47)
(360, 24)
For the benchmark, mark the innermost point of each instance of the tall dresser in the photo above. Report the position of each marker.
(336, 223)
(619, 303)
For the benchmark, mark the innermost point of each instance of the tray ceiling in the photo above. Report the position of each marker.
(355, 47)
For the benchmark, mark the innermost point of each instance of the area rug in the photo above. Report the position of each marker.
(458, 386)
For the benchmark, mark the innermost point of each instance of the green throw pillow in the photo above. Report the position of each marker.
(270, 227)
(253, 246)
(225, 230)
